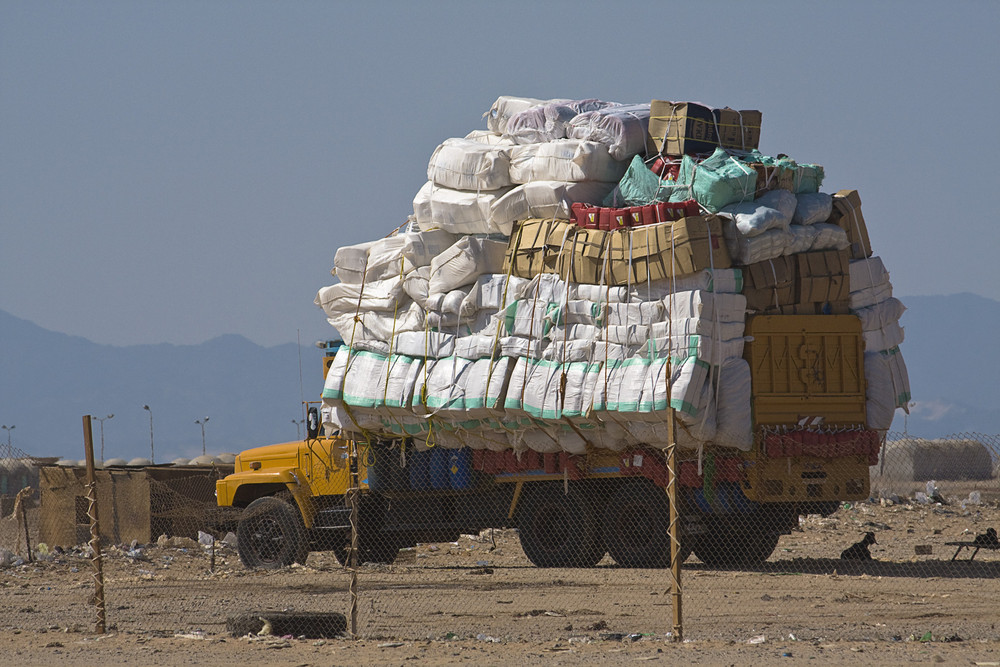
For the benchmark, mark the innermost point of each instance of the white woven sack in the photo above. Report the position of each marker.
(734, 421)
(565, 160)
(812, 207)
(772, 210)
(544, 199)
(456, 211)
(701, 304)
(466, 260)
(462, 164)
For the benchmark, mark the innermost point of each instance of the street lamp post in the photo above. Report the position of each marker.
(298, 427)
(202, 423)
(152, 459)
(102, 420)
(8, 429)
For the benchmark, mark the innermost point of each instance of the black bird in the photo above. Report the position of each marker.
(859, 550)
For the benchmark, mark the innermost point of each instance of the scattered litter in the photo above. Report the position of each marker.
(759, 639)
(487, 638)
(391, 645)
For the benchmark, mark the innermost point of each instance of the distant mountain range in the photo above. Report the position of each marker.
(252, 394)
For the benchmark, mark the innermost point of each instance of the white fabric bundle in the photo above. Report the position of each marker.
(829, 237)
(869, 283)
(564, 160)
(717, 306)
(466, 260)
(569, 350)
(714, 351)
(868, 273)
(538, 388)
(889, 336)
(622, 129)
(772, 210)
(390, 256)
(492, 292)
(490, 138)
(801, 238)
(342, 298)
(507, 106)
(548, 121)
(462, 164)
(475, 346)
(381, 325)
(640, 312)
(734, 422)
(750, 250)
(521, 346)
(812, 207)
(416, 285)
(702, 326)
(528, 318)
(456, 211)
(880, 314)
(888, 387)
(631, 334)
(545, 199)
(429, 344)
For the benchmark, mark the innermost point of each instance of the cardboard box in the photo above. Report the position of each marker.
(847, 215)
(770, 284)
(823, 276)
(619, 257)
(688, 128)
(653, 252)
(819, 308)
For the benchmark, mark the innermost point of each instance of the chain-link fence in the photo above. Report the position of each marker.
(501, 548)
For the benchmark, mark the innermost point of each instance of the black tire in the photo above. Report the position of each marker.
(728, 548)
(312, 625)
(383, 549)
(637, 525)
(271, 535)
(559, 529)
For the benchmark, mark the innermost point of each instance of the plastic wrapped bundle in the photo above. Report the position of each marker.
(752, 249)
(623, 129)
(507, 106)
(812, 208)
(464, 261)
(389, 257)
(715, 182)
(548, 121)
(462, 164)
(772, 210)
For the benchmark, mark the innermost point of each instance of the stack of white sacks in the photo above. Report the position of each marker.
(442, 346)
(885, 373)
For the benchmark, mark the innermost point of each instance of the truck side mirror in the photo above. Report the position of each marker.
(312, 423)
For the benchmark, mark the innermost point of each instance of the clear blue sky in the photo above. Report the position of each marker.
(174, 171)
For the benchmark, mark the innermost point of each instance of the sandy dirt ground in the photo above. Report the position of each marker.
(479, 600)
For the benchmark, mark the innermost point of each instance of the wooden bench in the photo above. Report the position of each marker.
(975, 546)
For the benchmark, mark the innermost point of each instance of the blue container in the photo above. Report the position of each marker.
(460, 468)
(377, 480)
(419, 464)
(439, 468)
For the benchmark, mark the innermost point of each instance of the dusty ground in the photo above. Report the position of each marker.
(478, 600)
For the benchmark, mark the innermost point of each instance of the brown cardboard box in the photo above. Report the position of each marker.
(631, 255)
(823, 276)
(770, 284)
(652, 252)
(847, 215)
(679, 128)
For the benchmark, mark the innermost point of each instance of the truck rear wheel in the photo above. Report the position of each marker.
(559, 529)
(723, 548)
(637, 525)
(271, 535)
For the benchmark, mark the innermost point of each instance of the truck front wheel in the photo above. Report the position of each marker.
(271, 535)
(559, 529)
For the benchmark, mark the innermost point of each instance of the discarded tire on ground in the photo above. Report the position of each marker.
(312, 625)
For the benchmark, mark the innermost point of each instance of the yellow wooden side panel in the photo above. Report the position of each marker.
(806, 367)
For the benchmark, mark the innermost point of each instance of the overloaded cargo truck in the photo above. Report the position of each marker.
(584, 288)
(571, 510)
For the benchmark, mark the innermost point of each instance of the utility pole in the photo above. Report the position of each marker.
(102, 420)
(202, 423)
(152, 458)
